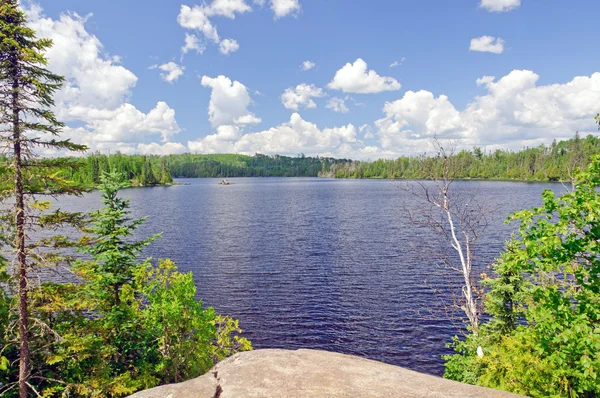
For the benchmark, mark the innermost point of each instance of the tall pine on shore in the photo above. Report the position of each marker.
(28, 123)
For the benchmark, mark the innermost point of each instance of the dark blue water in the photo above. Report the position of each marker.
(321, 263)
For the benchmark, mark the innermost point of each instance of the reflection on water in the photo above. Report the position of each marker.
(319, 263)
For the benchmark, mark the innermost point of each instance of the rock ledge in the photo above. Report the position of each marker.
(310, 373)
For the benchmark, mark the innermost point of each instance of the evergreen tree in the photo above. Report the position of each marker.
(26, 98)
(148, 177)
(114, 252)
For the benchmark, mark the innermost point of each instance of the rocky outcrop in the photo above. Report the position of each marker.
(310, 373)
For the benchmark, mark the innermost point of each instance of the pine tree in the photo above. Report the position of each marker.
(26, 98)
(115, 254)
(148, 177)
(165, 175)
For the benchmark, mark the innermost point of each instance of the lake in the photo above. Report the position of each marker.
(321, 263)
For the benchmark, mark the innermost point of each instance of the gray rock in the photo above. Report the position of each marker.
(310, 373)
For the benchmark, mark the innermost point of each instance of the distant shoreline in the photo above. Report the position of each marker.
(365, 178)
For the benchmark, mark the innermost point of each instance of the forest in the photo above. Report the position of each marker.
(554, 162)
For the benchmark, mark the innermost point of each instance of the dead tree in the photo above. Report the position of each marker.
(457, 217)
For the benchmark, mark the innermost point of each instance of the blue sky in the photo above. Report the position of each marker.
(542, 56)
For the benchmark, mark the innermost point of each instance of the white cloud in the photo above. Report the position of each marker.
(93, 76)
(290, 138)
(418, 115)
(229, 102)
(127, 123)
(228, 133)
(171, 71)
(192, 43)
(246, 119)
(228, 46)
(395, 64)
(282, 8)
(301, 96)
(228, 8)
(500, 5)
(165, 149)
(514, 111)
(337, 105)
(485, 80)
(198, 18)
(488, 44)
(307, 65)
(96, 91)
(355, 78)
(366, 131)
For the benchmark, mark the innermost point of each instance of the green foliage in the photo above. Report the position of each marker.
(126, 325)
(228, 165)
(543, 338)
(136, 170)
(114, 254)
(543, 163)
(172, 311)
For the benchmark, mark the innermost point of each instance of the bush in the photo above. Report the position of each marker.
(543, 338)
(125, 326)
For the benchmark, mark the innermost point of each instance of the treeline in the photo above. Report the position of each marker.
(200, 166)
(140, 170)
(554, 162)
(143, 170)
(543, 163)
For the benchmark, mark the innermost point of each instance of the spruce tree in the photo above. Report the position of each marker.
(112, 248)
(28, 123)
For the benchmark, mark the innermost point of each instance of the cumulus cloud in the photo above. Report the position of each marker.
(246, 119)
(198, 18)
(228, 133)
(290, 138)
(228, 46)
(487, 44)
(337, 105)
(127, 123)
(93, 77)
(227, 8)
(96, 91)
(170, 71)
(514, 110)
(229, 101)
(484, 80)
(192, 43)
(283, 8)
(165, 149)
(307, 65)
(356, 78)
(500, 5)
(301, 96)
